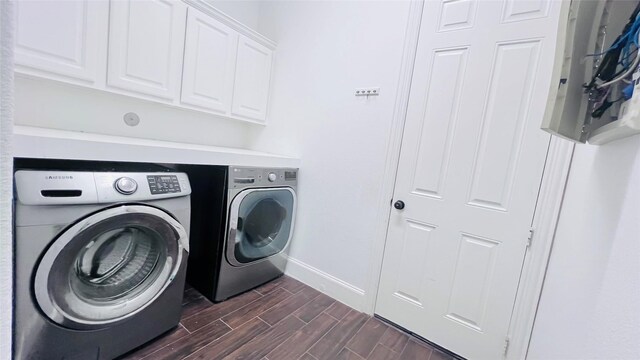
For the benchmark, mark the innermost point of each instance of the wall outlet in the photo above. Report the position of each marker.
(370, 91)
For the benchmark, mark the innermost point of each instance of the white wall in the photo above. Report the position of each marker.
(325, 51)
(6, 176)
(590, 305)
(51, 104)
(245, 11)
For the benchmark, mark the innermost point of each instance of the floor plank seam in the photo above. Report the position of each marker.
(238, 309)
(262, 293)
(388, 348)
(221, 338)
(431, 354)
(307, 353)
(322, 337)
(310, 346)
(257, 316)
(333, 316)
(204, 345)
(355, 353)
(292, 293)
(149, 356)
(320, 313)
(222, 321)
(182, 326)
(291, 313)
(194, 314)
(295, 316)
(325, 311)
(354, 334)
(405, 348)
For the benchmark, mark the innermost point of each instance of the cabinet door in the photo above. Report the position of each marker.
(251, 86)
(209, 63)
(146, 42)
(64, 40)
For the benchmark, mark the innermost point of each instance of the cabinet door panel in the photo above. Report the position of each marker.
(209, 63)
(62, 38)
(253, 74)
(146, 43)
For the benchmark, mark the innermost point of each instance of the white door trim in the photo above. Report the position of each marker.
(393, 153)
(545, 219)
(534, 269)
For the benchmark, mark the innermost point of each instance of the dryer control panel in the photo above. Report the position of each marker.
(244, 177)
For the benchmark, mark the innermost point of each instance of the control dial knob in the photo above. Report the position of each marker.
(272, 177)
(126, 185)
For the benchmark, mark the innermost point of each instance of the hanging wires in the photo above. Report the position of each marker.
(628, 72)
(618, 53)
(616, 65)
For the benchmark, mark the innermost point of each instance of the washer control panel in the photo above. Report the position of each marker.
(163, 184)
(36, 187)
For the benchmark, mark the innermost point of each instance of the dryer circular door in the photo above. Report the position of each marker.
(260, 224)
(109, 266)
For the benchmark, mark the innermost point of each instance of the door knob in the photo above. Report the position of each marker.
(399, 205)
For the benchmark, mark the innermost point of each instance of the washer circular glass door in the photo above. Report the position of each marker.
(260, 224)
(109, 266)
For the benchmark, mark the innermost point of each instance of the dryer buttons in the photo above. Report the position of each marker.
(272, 177)
(126, 185)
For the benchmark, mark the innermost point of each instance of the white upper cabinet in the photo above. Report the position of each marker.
(209, 63)
(181, 53)
(146, 42)
(252, 80)
(62, 40)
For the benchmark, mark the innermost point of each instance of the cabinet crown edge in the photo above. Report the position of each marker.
(236, 25)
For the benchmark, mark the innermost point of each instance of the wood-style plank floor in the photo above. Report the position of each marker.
(281, 320)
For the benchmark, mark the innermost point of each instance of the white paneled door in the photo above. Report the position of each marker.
(470, 168)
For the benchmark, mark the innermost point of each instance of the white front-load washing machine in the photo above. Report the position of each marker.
(100, 261)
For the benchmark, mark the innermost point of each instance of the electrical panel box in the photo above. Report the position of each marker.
(596, 93)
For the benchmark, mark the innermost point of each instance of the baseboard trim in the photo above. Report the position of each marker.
(326, 283)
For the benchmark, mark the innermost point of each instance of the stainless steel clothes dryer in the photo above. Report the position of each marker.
(261, 206)
(242, 221)
(100, 261)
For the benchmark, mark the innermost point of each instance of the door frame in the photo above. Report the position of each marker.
(546, 215)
